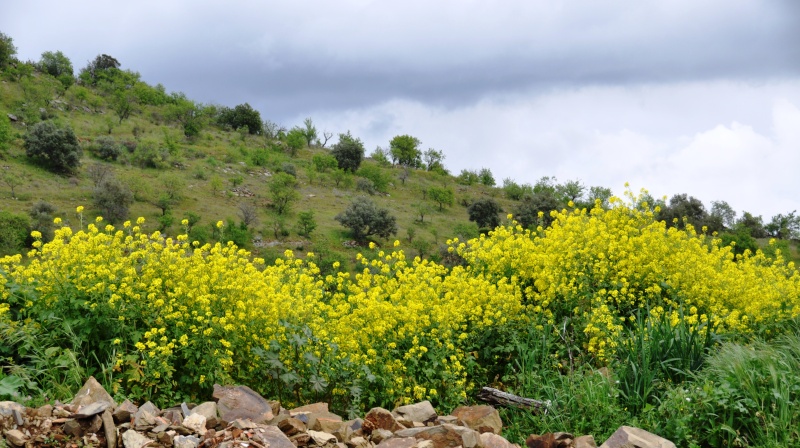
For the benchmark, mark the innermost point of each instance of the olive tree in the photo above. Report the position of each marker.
(365, 218)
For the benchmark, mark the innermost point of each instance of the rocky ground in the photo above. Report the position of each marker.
(239, 417)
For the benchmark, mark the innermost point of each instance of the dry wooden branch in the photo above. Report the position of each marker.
(499, 398)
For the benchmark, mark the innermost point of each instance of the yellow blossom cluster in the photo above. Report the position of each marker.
(603, 267)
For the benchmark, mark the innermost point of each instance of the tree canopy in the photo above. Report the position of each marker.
(404, 151)
(349, 152)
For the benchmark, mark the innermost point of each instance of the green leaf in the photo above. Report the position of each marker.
(10, 385)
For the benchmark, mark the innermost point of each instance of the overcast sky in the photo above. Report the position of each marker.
(676, 96)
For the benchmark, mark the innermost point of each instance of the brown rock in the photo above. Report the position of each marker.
(357, 442)
(301, 439)
(379, 435)
(480, 418)
(320, 438)
(320, 408)
(380, 418)
(418, 412)
(291, 426)
(207, 409)
(492, 440)
(45, 411)
(630, 437)
(92, 392)
(73, 428)
(327, 425)
(398, 442)
(195, 422)
(584, 442)
(272, 437)
(16, 437)
(110, 429)
(123, 412)
(235, 402)
(444, 436)
(95, 424)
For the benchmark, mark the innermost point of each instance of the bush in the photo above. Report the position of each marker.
(42, 214)
(14, 233)
(324, 162)
(54, 148)
(366, 185)
(149, 155)
(364, 218)
(484, 212)
(349, 152)
(377, 175)
(107, 148)
(112, 200)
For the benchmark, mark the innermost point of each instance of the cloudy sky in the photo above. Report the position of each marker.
(678, 96)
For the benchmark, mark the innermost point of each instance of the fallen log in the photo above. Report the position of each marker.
(497, 397)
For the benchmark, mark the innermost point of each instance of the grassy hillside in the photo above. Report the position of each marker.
(215, 156)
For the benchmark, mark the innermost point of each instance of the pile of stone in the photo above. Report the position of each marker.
(239, 417)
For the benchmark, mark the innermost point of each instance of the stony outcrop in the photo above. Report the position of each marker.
(241, 417)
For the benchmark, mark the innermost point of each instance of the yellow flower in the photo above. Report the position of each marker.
(79, 209)
(219, 224)
(57, 221)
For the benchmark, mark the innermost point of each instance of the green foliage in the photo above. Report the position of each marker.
(342, 178)
(484, 212)
(309, 132)
(106, 148)
(112, 199)
(324, 162)
(740, 239)
(534, 210)
(349, 152)
(240, 116)
(366, 185)
(442, 196)
(485, 177)
(14, 233)
(468, 177)
(54, 148)
(7, 50)
(376, 175)
(295, 140)
(282, 192)
(364, 219)
(306, 223)
(515, 191)
(148, 154)
(404, 151)
(6, 135)
(42, 214)
(122, 102)
(58, 66)
(784, 226)
(101, 68)
(381, 156)
(433, 159)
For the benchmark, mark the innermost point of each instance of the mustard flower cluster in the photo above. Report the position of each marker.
(603, 268)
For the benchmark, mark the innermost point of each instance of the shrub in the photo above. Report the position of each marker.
(55, 148)
(323, 162)
(375, 174)
(107, 148)
(112, 200)
(42, 214)
(366, 185)
(14, 233)
(484, 212)
(349, 152)
(364, 218)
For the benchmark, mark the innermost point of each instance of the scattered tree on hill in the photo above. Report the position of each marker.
(442, 196)
(571, 190)
(282, 192)
(13, 180)
(381, 156)
(404, 151)
(326, 136)
(724, 213)
(241, 116)
(295, 140)
(249, 215)
(7, 50)
(112, 199)
(58, 66)
(42, 214)
(485, 213)
(54, 148)
(485, 177)
(515, 191)
(349, 152)
(433, 159)
(601, 194)
(309, 132)
(785, 227)
(364, 218)
(376, 175)
(692, 209)
(324, 162)
(306, 223)
(534, 209)
(272, 130)
(102, 67)
(468, 177)
(754, 224)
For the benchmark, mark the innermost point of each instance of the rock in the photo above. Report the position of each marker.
(149, 407)
(234, 402)
(584, 442)
(207, 409)
(242, 423)
(357, 442)
(195, 422)
(480, 418)
(185, 409)
(94, 425)
(123, 412)
(16, 437)
(73, 428)
(379, 435)
(92, 392)
(418, 412)
(319, 408)
(442, 419)
(492, 440)
(444, 436)
(132, 439)
(398, 442)
(291, 426)
(18, 417)
(144, 420)
(12, 117)
(327, 425)
(44, 411)
(185, 442)
(301, 439)
(110, 429)
(8, 407)
(272, 437)
(630, 437)
(380, 418)
(322, 438)
(91, 409)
